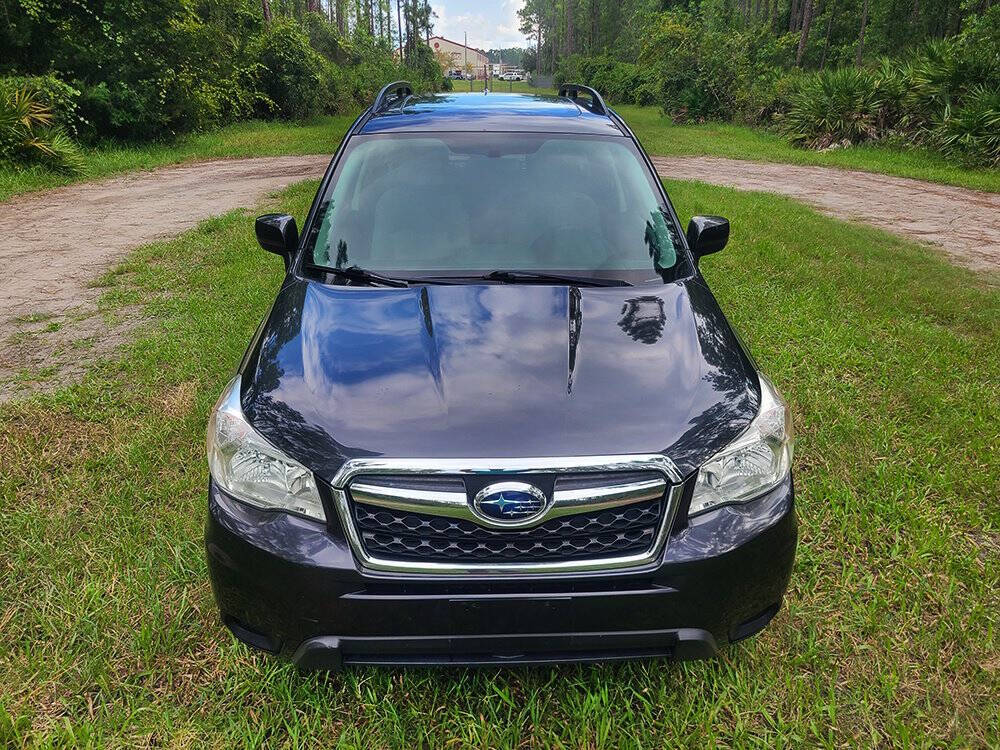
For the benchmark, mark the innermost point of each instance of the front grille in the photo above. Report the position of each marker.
(405, 535)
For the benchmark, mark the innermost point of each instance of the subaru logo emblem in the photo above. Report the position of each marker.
(510, 503)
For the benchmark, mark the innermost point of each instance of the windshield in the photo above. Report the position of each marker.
(454, 203)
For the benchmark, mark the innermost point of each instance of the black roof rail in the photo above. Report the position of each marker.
(597, 105)
(397, 91)
(401, 89)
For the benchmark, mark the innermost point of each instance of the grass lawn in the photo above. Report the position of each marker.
(660, 136)
(502, 87)
(889, 357)
(320, 136)
(657, 133)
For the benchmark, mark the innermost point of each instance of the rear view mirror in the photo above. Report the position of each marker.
(278, 233)
(707, 234)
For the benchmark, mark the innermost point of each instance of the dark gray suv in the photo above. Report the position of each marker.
(495, 415)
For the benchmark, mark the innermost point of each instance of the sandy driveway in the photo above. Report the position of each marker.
(57, 242)
(965, 223)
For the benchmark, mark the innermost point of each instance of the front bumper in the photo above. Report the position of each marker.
(292, 586)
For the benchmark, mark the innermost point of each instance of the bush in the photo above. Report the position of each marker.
(28, 134)
(705, 74)
(940, 75)
(59, 97)
(618, 82)
(972, 132)
(944, 95)
(293, 79)
(840, 106)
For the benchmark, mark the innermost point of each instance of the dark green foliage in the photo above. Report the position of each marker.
(29, 133)
(944, 95)
(722, 63)
(619, 82)
(58, 96)
(972, 132)
(292, 75)
(838, 106)
(704, 73)
(149, 70)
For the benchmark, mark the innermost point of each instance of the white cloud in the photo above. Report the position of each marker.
(488, 24)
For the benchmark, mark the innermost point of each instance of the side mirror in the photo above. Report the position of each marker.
(707, 234)
(277, 233)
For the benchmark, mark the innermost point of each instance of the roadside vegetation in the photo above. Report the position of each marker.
(658, 134)
(662, 137)
(320, 135)
(888, 637)
(860, 84)
(128, 74)
(823, 73)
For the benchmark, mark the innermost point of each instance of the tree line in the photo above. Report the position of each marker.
(827, 32)
(139, 70)
(827, 73)
(413, 19)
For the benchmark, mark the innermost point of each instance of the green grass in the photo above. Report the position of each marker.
(242, 140)
(248, 139)
(660, 136)
(657, 133)
(501, 87)
(889, 357)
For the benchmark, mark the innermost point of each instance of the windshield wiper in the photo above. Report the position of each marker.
(356, 273)
(529, 276)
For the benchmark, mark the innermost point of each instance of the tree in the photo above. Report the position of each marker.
(861, 34)
(829, 27)
(570, 31)
(399, 25)
(804, 35)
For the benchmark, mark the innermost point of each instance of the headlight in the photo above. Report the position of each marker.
(757, 461)
(248, 467)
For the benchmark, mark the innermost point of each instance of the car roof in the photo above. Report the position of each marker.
(491, 112)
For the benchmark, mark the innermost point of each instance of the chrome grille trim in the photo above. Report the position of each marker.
(500, 467)
(450, 504)
(455, 505)
(567, 502)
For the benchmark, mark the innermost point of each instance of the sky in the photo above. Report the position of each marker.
(490, 24)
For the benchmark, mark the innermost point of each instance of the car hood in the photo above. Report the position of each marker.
(497, 371)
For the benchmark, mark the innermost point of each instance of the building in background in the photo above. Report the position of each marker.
(457, 57)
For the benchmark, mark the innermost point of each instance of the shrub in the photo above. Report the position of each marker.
(428, 75)
(123, 109)
(293, 78)
(834, 107)
(618, 82)
(58, 96)
(28, 135)
(705, 74)
(941, 74)
(943, 95)
(972, 132)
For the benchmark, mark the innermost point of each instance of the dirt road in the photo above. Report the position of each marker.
(57, 242)
(965, 223)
